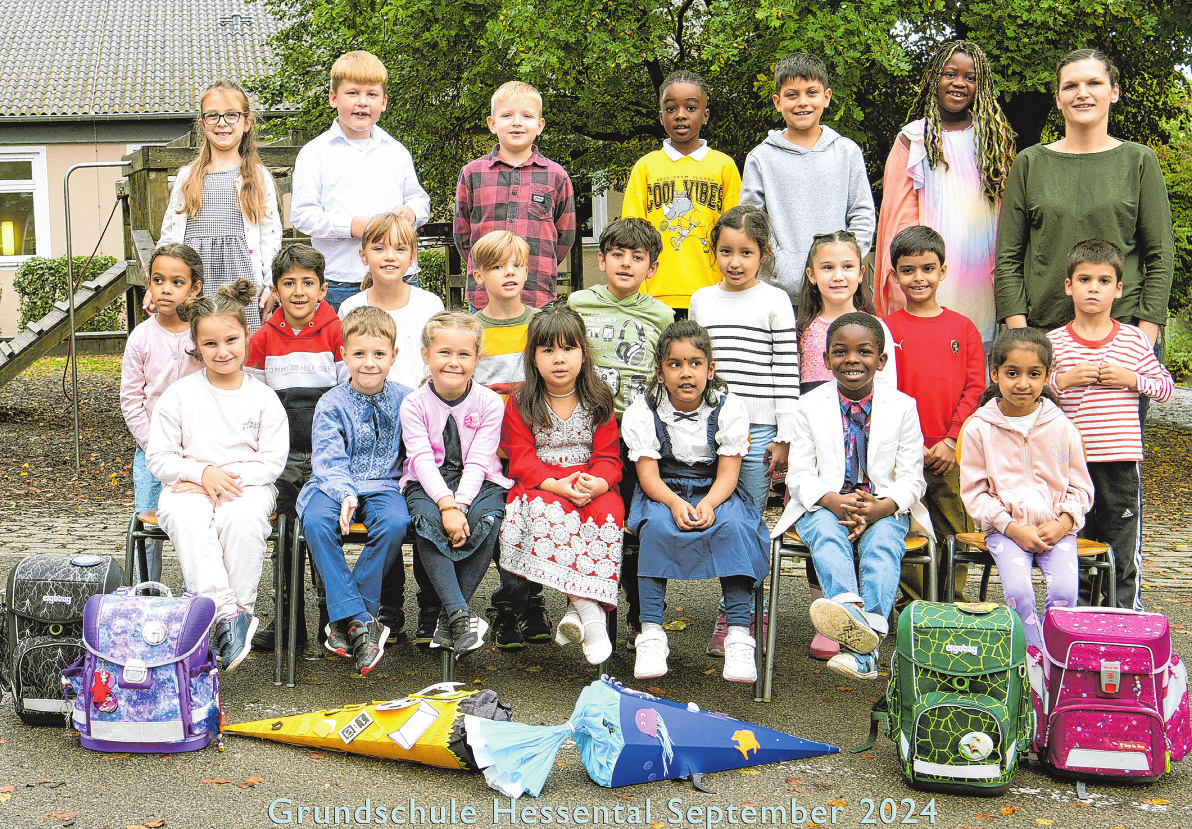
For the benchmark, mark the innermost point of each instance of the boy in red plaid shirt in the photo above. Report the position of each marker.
(516, 188)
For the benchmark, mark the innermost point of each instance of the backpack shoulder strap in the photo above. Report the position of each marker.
(881, 713)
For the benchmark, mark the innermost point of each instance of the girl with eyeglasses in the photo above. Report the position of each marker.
(224, 205)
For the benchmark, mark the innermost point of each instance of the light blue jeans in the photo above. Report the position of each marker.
(753, 465)
(146, 491)
(881, 547)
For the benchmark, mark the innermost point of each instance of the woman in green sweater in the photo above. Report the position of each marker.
(1086, 185)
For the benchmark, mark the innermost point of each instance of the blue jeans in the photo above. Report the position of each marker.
(353, 593)
(753, 465)
(147, 490)
(337, 292)
(881, 546)
(736, 591)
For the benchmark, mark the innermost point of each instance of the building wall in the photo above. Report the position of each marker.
(92, 191)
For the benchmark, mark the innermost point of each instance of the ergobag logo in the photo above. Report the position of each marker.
(56, 599)
(955, 649)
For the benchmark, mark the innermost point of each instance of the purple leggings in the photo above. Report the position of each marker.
(1060, 574)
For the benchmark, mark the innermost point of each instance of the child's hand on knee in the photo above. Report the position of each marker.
(685, 516)
(591, 485)
(705, 515)
(220, 484)
(188, 486)
(839, 505)
(1027, 538)
(1052, 532)
(346, 510)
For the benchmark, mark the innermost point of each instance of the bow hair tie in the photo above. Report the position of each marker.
(692, 416)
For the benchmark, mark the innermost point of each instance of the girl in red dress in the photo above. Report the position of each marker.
(564, 519)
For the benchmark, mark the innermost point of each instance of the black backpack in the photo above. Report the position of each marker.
(42, 615)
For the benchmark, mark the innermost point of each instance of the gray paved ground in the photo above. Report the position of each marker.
(53, 774)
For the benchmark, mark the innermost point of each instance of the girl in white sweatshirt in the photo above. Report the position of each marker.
(218, 441)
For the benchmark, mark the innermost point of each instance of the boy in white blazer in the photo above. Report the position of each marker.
(855, 475)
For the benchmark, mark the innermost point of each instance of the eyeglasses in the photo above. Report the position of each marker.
(213, 118)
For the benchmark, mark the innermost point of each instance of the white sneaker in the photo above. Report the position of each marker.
(571, 628)
(597, 646)
(739, 664)
(652, 651)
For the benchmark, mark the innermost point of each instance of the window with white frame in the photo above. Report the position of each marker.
(24, 204)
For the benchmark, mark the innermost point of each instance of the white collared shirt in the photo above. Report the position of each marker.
(337, 179)
(689, 438)
(675, 155)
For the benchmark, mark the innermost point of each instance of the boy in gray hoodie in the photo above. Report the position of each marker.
(808, 177)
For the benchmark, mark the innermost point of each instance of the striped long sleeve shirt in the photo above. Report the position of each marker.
(755, 349)
(1107, 416)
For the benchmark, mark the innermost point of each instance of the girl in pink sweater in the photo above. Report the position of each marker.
(1023, 477)
(157, 353)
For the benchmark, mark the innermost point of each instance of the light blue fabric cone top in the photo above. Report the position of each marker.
(601, 739)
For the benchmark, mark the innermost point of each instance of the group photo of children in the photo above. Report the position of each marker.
(786, 333)
(766, 359)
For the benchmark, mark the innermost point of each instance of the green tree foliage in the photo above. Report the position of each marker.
(599, 65)
(1176, 158)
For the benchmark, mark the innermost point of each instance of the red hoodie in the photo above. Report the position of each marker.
(299, 366)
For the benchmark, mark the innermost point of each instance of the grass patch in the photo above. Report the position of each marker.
(1179, 347)
(108, 364)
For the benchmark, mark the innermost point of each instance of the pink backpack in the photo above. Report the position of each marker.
(1111, 697)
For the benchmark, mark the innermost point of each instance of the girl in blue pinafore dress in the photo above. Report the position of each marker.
(690, 512)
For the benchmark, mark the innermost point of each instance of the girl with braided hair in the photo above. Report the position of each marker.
(947, 170)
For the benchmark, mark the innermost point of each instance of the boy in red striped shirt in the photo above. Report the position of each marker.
(1101, 367)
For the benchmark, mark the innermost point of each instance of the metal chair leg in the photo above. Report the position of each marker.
(760, 650)
(297, 557)
(772, 636)
(610, 620)
(447, 664)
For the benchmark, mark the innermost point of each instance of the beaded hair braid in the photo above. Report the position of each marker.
(995, 138)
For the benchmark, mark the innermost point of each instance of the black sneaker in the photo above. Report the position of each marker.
(336, 638)
(395, 622)
(427, 623)
(535, 621)
(442, 638)
(508, 634)
(368, 643)
(467, 632)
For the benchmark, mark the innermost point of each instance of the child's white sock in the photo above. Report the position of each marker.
(653, 626)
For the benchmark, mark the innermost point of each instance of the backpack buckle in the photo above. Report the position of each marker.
(134, 673)
(1111, 676)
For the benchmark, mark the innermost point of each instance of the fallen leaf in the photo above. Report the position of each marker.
(620, 796)
(843, 688)
(533, 669)
(795, 781)
(1011, 810)
(3, 741)
(748, 805)
(115, 756)
(156, 823)
(750, 771)
(1042, 821)
(868, 755)
(5, 796)
(252, 781)
(839, 801)
(654, 689)
(51, 784)
(677, 624)
(317, 755)
(985, 816)
(1157, 802)
(218, 781)
(560, 762)
(60, 815)
(8, 787)
(709, 672)
(1078, 804)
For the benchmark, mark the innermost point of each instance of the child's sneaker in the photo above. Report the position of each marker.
(739, 650)
(368, 643)
(508, 634)
(234, 638)
(844, 623)
(855, 665)
(336, 638)
(535, 621)
(652, 651)
(716, 643)
(467, 632)
(428, 620)
(631, 632)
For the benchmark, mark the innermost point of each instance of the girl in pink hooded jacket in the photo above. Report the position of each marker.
(1023, 477)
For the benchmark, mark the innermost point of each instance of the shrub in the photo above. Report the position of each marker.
(433, 278)
(42, 282)
(1179, 347)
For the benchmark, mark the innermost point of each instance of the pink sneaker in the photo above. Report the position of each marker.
(823, 648)
(716, 643)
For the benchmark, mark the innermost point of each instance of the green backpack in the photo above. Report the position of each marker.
(958, 707)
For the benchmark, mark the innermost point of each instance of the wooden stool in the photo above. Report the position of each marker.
(919, 550)
(1097, 558)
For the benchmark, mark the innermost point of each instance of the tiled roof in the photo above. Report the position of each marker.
(125, 57)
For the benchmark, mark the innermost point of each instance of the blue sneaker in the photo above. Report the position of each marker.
(855, 665)
(844, 623)
(233, 636)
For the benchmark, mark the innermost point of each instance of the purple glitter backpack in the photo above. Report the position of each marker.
(148, 682)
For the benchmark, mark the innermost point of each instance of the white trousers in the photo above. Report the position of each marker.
(222, 548)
